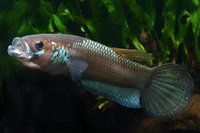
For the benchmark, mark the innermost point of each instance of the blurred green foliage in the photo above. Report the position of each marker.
(168, 29)
(174, 25)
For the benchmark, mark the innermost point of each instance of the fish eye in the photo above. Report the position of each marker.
(39, 45)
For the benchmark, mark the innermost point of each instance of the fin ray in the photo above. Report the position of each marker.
(125, 96)
(76, 68)
(133, 54)
(167, 92)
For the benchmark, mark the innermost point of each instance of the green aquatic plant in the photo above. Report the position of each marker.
(113, 22)
(173, 25)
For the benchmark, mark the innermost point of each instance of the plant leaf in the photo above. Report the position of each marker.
(62, 28)
(183, 25)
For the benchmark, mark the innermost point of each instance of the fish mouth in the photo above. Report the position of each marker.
(20, 49)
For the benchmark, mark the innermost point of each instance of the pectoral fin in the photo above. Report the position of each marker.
(133, 54)
(76, 68)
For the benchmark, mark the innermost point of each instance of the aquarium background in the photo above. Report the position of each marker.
(34, 102)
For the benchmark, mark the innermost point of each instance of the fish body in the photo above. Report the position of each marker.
(161, 91)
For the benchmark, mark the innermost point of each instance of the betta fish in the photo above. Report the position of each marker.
(114, 73)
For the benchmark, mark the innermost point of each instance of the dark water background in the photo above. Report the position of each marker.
(36, 102)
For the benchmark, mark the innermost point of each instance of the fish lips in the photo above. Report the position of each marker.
(20, 49)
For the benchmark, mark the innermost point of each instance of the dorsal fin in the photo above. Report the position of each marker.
(133, 54)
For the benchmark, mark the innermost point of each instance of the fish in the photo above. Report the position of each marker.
(114, 73)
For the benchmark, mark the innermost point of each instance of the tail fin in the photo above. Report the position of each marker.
(167, 92)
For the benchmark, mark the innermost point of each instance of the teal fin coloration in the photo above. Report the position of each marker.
(125, 96)
(76, 68)
(133, 54)
(167, 92)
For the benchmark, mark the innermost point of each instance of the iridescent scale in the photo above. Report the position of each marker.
(60, 55)
(104, 59)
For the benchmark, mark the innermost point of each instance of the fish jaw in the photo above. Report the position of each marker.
(20, 49)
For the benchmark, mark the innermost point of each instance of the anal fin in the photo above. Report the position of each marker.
(128, 97)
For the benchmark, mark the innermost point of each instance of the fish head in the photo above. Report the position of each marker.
(31, 51)
(48, 52)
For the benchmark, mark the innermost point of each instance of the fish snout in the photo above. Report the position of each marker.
(12, 51)
(19, 49)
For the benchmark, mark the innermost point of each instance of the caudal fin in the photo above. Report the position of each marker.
(167, 92)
